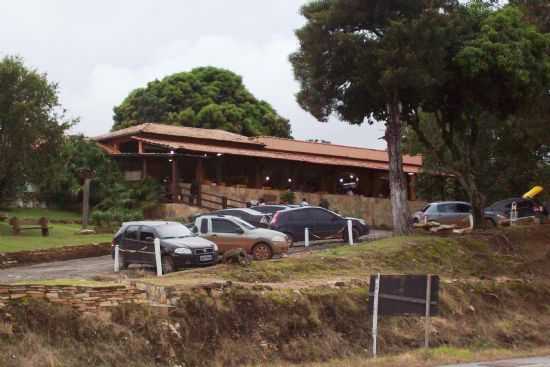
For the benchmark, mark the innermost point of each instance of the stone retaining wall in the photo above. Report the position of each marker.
(10, 259)
(85, 299)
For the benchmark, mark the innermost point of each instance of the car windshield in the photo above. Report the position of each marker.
(244, 223)
(174, 230)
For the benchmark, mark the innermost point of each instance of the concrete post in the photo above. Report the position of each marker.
(350, 232)
(306, 236)
(158, 257)
(117, 259)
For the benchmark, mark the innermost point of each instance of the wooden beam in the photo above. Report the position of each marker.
(174, 183)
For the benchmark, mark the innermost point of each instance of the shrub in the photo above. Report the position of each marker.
(288, 197)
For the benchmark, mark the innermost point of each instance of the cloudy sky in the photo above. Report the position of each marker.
(98, 51)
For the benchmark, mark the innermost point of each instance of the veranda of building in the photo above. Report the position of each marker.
(218, 160)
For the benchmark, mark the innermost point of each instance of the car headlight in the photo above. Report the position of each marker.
(215, 247)
(183, 251)
(279, 239)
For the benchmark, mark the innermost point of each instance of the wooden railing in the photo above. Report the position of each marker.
(210, 201)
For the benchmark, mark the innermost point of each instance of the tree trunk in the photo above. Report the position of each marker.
(477, 199)
(398, 181)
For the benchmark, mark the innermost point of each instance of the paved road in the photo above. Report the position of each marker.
(522, 362)
(89, 268)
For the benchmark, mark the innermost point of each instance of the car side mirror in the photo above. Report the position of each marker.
(239, 231)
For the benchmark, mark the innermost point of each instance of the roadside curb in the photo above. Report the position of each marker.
(14, 259)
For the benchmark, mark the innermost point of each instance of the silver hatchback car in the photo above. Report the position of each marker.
(444, 212)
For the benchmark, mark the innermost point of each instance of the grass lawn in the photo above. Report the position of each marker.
(60, 235)
(37, 213)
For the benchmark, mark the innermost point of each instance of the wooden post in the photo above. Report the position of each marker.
(174, 183)
(412, 187)
(86, 202)
(144, 169)
(375, 315)
(428, 309)
(199, 175)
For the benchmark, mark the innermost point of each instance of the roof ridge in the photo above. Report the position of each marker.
(318, 143)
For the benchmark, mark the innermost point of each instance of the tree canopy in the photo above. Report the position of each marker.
(32, 126)
(205, 97)
(487, 123)
(372, 59)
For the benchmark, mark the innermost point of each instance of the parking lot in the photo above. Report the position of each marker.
(90, 268)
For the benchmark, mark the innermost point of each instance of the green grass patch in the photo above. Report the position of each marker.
(412, 254)
(36, 213)
(60, 235)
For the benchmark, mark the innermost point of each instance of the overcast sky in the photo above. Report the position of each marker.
(98, 51)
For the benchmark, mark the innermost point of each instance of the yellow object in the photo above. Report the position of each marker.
(533, 192)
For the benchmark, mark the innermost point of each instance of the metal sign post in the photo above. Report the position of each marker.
(306, 237)
(350, 232)
(158, 257)
(375, 315)
(427, 324)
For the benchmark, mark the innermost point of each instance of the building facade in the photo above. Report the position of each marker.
(179, 156)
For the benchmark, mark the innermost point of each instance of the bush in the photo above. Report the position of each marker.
(288, 197)
(323, 203)
(115, 217)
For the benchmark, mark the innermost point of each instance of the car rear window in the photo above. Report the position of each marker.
(131, 233)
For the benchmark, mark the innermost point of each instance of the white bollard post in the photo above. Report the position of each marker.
(471, 220)
(158, 257)
(350, 232)
(306, 237)
(117, 259)
(375, 315)
(513, 213)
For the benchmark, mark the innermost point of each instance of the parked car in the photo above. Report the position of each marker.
(179, 246)
(230, 233)
(499, 212)
(322, 224)
(444, 212)
(254, 217)
(269, 209)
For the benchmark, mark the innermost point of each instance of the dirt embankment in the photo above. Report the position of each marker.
(242, 326)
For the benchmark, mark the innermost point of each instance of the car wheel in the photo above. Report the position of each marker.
(122, 262)
(489, 223)
(168, 265)
(354, 233)
(262, 251)
(290, 239)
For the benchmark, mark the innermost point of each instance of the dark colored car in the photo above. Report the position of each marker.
(499, 212)
(322, 224)
(269, 209)
(254, 217)
(179, 246)
(444, 212)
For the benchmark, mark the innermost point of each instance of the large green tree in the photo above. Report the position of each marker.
(485, 124)
(368, 60)
(205, 97)
(31, 127)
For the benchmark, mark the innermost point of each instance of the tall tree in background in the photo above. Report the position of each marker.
(31, 127)
(487, 115)
(205, 97)
(371, 60)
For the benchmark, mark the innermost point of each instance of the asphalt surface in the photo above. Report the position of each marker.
(522, 362)
(92, 267)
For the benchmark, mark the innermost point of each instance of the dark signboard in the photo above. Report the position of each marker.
(404, 295)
